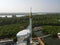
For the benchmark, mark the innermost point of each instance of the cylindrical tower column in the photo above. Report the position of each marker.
(30, 19)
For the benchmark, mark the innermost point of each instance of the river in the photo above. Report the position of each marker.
(48, 40)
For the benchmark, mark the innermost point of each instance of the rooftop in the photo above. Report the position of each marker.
(23, 32)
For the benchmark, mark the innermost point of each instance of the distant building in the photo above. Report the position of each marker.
(59, 20)
(37, 28)
(58, 35)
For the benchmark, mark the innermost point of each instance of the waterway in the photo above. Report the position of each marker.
(48, 40)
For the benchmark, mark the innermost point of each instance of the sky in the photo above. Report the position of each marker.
(25, 5)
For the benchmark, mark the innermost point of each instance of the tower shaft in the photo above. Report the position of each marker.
(30, 19)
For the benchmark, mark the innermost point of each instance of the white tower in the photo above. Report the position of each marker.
(26, 33)
(30, 19)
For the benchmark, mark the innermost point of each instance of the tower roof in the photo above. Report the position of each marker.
(23, 32)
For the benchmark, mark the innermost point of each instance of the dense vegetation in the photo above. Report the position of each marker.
(53, 30)
(47, 19)
(10, 26)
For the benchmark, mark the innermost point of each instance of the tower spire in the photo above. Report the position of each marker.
(30, 15)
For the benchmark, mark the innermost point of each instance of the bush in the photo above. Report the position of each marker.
(15, 39)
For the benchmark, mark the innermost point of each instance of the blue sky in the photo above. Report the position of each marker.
(24, 5)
